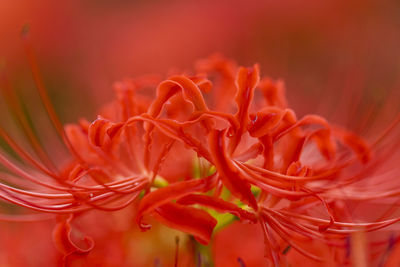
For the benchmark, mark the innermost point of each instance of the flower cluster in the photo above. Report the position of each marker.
(222, 140)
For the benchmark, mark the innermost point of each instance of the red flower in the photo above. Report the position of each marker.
(179, 158)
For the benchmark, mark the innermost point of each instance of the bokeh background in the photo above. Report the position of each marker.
(83, 46)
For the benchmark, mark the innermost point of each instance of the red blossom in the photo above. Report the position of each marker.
(176, 157)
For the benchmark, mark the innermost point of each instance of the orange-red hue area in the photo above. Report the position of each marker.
(318, 47)
(181, 150)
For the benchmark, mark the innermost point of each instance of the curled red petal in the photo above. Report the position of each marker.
(98, 132)
(288, 120)
(102, 131)
(326, 146)
(174, 191)
(217, 63)
(78, 138)
(250, 153)
(202, 115)
(268, 151)
(355, 143)
(264, 121)
(190, 91)
(176, 131)
(190, 220)
(203, 83)
(274, 92)
(305, 121)
(224, 71)
(227, 170)
(246, 81)
(63, 242)
(219, 205)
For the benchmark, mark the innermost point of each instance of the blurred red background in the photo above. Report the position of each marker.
(315, 46)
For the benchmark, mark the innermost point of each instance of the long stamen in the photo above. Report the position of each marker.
(15, 107)
(43, 93)
(23, 154)
(161, 158)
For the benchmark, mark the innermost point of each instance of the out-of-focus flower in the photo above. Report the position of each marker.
(184, 149)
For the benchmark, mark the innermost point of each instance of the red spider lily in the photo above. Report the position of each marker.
(261, 164)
